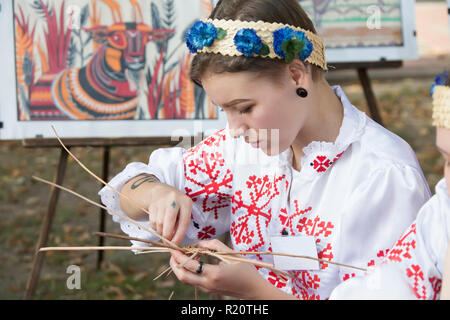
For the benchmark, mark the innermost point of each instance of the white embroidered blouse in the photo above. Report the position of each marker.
(354, 196)
(416, 261)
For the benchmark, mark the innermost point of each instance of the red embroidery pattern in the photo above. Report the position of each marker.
(260, 193)
(277, 281)
(213, 141)
(314, 227)
(371, 263)
(402, 252)
(348, 276)
(436, 286)
(321, 163)
(380, 254)
(416, 274)
(305, 282)
(338, 156)
(403, 245)
(206, 178)
(325, 254)
(304, 295)
(206, 233)
(286, 220)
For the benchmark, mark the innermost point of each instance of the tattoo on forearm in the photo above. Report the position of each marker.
(142, 180)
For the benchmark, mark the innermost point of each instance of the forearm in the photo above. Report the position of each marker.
(136, 194)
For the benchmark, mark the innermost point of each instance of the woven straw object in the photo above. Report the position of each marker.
(265, 31)
(441, 107)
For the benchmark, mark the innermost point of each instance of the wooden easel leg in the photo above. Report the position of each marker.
(370, 97)
(105, 174)
(46, 226)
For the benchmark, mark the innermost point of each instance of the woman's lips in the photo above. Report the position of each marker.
(255, 144)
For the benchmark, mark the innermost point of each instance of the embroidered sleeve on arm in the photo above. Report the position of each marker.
(419, 253)
(411, 269)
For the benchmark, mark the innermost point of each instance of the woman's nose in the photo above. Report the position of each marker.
(238, 131)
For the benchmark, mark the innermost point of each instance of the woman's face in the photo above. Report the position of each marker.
(268, 115)
(443, 144)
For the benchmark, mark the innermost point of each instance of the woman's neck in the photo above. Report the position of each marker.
(324, 122)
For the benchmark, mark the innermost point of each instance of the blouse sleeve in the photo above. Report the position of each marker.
(377, 213)
(199, 172)
(416, 261)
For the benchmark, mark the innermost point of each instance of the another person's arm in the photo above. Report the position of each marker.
(445, 291)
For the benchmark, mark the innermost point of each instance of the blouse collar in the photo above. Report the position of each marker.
(319, 156)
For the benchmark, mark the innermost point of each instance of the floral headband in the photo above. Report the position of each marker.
(256, 39)
(441, 101)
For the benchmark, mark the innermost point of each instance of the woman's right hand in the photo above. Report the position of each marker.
(170, 212)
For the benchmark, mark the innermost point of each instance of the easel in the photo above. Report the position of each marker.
(366, 84)
(106, 144)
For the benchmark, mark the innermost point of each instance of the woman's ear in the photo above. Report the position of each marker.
(299, 73)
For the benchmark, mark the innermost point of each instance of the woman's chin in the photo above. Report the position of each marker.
(270, 150)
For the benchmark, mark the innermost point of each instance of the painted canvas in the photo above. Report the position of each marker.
(106, 60)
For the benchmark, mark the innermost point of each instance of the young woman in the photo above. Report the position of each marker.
(418, 265)
(296, 161)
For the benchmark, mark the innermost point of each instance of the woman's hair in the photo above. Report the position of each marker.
(280, 11)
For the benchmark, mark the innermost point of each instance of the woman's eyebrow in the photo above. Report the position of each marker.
(231, 103)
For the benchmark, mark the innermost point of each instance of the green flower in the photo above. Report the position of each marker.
(221, 33)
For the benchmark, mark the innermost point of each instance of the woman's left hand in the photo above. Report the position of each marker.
(240, 280)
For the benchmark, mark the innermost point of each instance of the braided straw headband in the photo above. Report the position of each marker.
(441, 106)
(256, 39)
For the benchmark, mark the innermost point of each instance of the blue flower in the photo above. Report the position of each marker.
(285, 34)
(280, 36)
(248, 42)
(439, 81)
(307, 48)
(200, 35)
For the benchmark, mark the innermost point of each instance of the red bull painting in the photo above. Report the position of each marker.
(106, 60)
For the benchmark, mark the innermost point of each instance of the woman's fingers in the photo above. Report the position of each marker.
(184, 218)
(160, 221)
(153, 216)
(214, 244)
(185, 269)
(170, 218)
